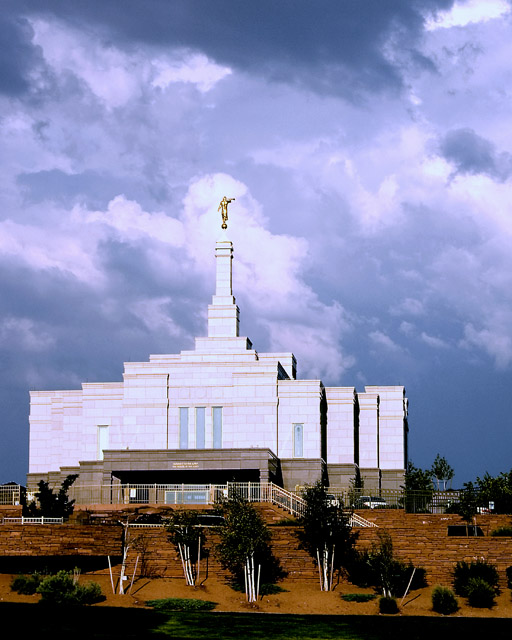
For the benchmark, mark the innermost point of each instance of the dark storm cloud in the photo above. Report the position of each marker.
(92, 188)
(473, 154)
(331, 46)
(18, 57)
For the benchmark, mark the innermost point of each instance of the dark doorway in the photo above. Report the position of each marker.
(187, 476)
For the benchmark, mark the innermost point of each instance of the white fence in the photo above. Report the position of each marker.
(24, 520)
(186, 494)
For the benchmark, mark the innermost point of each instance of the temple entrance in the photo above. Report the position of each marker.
(182, 486)
(187, 476)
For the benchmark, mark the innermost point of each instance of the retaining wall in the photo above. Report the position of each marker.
(420, 538)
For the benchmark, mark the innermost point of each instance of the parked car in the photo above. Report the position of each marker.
(370, 502)
(333, 500)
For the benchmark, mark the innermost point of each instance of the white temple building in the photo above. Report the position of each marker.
(221, 412)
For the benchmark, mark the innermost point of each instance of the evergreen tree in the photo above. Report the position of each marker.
(51, 504)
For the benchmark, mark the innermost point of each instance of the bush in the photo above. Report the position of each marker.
(88, 593)
(465, 571)
(266, 588)
(286, 522)
(61, 589)
(387, 604)
(378, 568)
(502, 531)
(358, 597)
(26, 585)
(165, 605)
(444, 601)
(508, 571)
(480, 593)
(269, 589)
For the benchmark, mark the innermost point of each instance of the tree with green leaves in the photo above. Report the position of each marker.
(326, 533)
(442, 472)
(50, 504)
(245, 545)
(497, 490)
(188, 537)
(418, 489)
(468, 504)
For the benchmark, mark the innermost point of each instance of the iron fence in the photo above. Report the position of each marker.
(203, 494)
(10, 494)
(410, 501)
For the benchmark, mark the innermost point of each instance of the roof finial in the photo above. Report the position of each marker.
(223, 208)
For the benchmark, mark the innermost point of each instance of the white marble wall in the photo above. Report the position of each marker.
(392, 437)
(341, 403)
(260, 398)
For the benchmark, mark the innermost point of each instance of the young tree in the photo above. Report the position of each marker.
(468, 504)
(418, 488)
(442, 472)
(51, 504)
(326, 533)
(188, 537)
(244, 547)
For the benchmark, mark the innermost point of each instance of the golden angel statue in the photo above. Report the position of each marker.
(223, 208)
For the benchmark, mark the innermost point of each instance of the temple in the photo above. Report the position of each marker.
(221, 412)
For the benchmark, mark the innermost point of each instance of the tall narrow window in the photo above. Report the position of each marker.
(200, 415)
(183, 427)
(103, 440)
(217, 427)
(298, 440)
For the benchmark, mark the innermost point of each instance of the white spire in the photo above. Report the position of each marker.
(223, 313)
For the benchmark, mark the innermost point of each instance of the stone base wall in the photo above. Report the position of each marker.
(423, 539)
(420, 538)
(10, 511)
(60, 540)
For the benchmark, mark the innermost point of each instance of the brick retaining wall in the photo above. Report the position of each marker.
(419, 538)
(59, 540)
(423, 539)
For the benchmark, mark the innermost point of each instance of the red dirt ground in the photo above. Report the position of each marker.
(301, 597)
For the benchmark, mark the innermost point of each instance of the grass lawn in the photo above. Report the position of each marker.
(105, 622)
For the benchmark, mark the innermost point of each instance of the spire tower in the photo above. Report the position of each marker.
(223, 313)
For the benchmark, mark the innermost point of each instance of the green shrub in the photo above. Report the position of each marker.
(359, 569)
(286, 522)
(480, 593)
(387, 604)
(61, 589)
(358, 597)
(377, 568)
(444, 601)
(266, 588)
(165, 605)
(270, 589)
(508, 571)
(502, 531)
(26, 585)
(88, 593)
(465, 571)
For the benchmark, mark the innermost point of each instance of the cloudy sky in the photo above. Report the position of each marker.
(368, 144)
